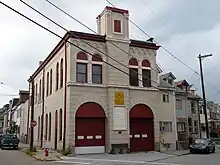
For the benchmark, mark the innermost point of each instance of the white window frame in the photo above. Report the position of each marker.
(180, 104)
(166, 126)
(113, 26)
(167, 98)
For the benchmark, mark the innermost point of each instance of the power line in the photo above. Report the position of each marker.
(19, 13)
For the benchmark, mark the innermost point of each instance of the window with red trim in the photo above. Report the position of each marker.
(96, 69)
(61, 73)
(49, 137)
(51, 81)
(60, 125)
(146, 73)
(81, 68)
(57, 76)
(117, 26)
(133, 72)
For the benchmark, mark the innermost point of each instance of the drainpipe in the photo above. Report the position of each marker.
(65, 89)
(200, 135)
(42, 120)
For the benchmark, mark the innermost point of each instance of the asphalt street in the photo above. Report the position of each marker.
(12, 157)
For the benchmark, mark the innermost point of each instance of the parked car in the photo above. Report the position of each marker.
(9, 141)
(202, 145)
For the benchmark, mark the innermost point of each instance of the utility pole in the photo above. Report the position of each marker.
(203, 92)
(32, 114)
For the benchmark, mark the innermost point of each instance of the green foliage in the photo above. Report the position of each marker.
(66, 152)
(31, 152)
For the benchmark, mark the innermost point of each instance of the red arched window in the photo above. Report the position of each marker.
(96, 69)
(133, 72)
(60, 125)
(81, 67)
(49, 138)
(48, 76)
(46, 129)
(146, 73)
(61, 73)
(51, 81)
(57, 76)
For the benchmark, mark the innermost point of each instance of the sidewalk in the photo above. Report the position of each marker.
(177, 152)
(53, 156)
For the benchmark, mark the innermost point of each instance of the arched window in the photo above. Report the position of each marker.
(48, 83)
(40, 90)
(61, 73)
(60, 125)
(46, 129)
(146, 73)
(57, 76)
(38, 130)
(133, 72)
(81, 67)
(96, 69)
(51, 81)
(49, 137)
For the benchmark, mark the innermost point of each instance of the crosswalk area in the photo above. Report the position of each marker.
(93, 161)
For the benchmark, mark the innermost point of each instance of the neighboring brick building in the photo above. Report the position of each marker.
(80, 98)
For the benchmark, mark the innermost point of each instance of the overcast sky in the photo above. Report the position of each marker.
(186, 28)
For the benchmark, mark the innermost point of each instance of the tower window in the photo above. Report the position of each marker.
(117, 26)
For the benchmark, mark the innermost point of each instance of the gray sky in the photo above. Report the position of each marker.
(185, 28)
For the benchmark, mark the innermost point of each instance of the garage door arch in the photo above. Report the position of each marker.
(141, 128)
(90, 128)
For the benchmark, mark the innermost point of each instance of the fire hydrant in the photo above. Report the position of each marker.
(46, 152)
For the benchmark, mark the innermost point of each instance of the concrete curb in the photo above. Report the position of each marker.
(173, 156)
(46, 159)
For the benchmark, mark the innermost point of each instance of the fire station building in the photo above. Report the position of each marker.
(103, 92)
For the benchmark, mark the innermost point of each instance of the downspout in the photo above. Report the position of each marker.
(42, 120)
(200, 135)
(65, 89)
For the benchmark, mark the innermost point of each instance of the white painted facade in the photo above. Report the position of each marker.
(103, 94)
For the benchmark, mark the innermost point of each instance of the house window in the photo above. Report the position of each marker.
(49, 138)
(166, 126)
(36, 86)
(81, 68)
(180, 127)
(57, 76)
(46, 125)
(179, 104)
(96, 69)
(60, 125)
(61, 73)
(166, 98)
(146, 73)
(193, 108)
(195, 126)
(51, 81)
(40, 90)
(48, 83)
(133, 72)
(117, 26)
(38, 131)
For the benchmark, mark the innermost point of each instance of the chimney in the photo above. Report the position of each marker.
(40, 62)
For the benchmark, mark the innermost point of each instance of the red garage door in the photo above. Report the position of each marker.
(141, 128)
(90, 129)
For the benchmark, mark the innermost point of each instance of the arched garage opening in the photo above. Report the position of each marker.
(90, 129)
(141, 128)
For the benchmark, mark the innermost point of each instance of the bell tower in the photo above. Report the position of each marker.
(113, 22)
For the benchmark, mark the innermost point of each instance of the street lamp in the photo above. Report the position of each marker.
(203, 92)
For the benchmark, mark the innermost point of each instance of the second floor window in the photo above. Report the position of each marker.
(178, 104)
(61, 73)
(146, 73)
(51, 81)
(81, 72)
(166, 98)
(57, 76)
(133, 72)
(81, 67)
(48, 83)
(193, 108)
(96, 69)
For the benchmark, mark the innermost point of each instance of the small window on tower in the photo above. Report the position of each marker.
(117, 26)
